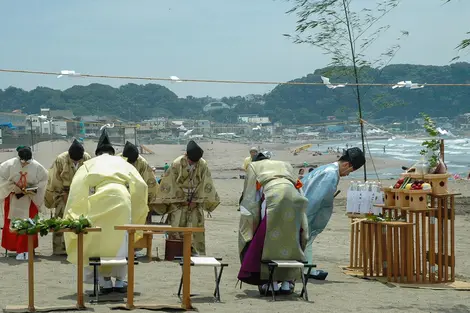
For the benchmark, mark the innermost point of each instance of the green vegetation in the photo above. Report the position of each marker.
(431, 146)
(36, 225)
(289, 104)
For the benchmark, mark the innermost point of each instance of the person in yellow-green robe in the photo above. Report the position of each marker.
(185, 192)
(110, 192)
(131, 153)
(273, 224)
(60, 178)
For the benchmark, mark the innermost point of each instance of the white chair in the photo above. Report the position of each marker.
(98, 261)
(275, 264)
(206, 261)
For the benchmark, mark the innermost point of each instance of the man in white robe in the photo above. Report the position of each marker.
(22, 187)
(110, 192)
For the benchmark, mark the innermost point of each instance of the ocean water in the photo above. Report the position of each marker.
(457, 154)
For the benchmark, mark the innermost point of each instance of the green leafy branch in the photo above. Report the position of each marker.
(431, 145)
(464, 44)
(37, 225)
(385, 218)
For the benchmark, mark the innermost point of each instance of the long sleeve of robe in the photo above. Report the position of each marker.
(146, 172)
(319, 186)
(60, 177)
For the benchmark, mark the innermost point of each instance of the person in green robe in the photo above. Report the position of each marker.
(273, 224)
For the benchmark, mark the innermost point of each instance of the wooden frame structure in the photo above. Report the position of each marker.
(80, 305)
(428, 242)
(187, 241)
(431, 216)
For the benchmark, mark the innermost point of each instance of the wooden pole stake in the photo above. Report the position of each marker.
(31, 307)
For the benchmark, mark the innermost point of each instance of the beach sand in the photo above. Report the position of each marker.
(158, 281)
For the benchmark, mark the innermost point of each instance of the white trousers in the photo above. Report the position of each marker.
(116, 271)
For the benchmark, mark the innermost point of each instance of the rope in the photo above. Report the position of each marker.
(219, 81)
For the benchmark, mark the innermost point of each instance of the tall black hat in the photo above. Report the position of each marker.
(131, 152)
(193, 151)
(104, 145)
(76, 150)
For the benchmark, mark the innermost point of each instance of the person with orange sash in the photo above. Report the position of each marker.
(22, 188)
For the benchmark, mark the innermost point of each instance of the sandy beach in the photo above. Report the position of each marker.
(158, 281)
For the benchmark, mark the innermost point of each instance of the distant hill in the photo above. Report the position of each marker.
(289, 104)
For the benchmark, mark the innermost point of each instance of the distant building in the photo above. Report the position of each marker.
(216, 106)
(253, 119)
(56, 114)
(154, 123)
(54, 128)
(203, 126)
(16, 119)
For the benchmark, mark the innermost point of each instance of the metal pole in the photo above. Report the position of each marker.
(31, 131)
(135, 135)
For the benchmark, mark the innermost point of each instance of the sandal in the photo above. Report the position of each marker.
(287, 288)
(265, 291)
(319, 275)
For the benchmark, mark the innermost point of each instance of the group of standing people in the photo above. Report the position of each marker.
(109, 190)
(281, 215)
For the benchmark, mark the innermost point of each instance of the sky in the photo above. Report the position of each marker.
(197, 39)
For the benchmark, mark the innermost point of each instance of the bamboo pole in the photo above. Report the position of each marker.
(418, 248)
(446, 240)
(452, 238)
(439, 239)
(352, 256)
(402, 254)
(432, 245)
(409, 245)
(389, 253)
(364, 238)
(396, 254)
(371, 248)
(425, 245)
(357, 255)
(379, 270)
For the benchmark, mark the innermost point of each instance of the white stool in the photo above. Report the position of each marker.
(274, 264)
(206, 261)
(98, 261)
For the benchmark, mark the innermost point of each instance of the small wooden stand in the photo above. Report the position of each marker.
(420, 250)
(187, 239)
(80, 305)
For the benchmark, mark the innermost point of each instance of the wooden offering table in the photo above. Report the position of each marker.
(80, 305)
(187, 241)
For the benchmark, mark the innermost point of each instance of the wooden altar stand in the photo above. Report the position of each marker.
(187, 240)
(80, 305)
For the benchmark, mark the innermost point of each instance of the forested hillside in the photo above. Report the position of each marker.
(292, 104)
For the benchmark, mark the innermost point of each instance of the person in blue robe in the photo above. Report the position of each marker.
(319, 187)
